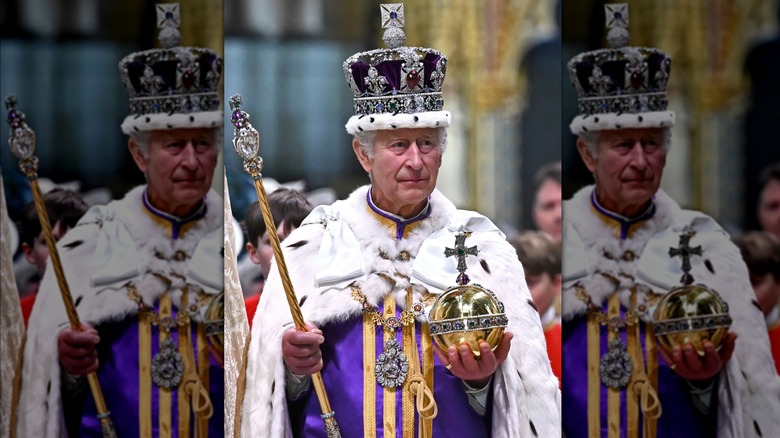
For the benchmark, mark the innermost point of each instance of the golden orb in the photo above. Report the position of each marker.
(467, 313)
(691, 314)
(215, 323)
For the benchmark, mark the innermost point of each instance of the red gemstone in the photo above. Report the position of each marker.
(412, 79)
(637, 78)
(188, 79)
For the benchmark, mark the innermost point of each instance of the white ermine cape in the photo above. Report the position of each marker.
(749, 388)
(340, 244)
(111, 246)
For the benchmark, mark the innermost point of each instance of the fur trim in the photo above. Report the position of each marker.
(610, 121)
(380, 122)
(525, 396)
(40, 406)
(162, 121)
(749, 389)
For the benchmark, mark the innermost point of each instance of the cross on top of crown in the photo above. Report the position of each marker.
(461, 251)
(168, 15)
(392, 15)
(617, 15)
(685, 251)
(168, 21)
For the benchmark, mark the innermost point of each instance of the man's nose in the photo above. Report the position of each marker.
(413, 156)
(638, 158)
(189, 157)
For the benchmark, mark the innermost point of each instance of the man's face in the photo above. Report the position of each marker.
(769, 207)
(263, 252)
(403, 170)
(767, 290)
(38, 253)
(543, 289)
(627, 168)
(547, 209)
(179, 168)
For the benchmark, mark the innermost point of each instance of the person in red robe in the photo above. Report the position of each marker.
(541, 258)
(761, 251)
(288, 208)
(64, 208)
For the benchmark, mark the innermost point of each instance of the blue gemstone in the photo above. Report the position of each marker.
(394, 15)
(380, 107)
(618, 15)
(169, 15)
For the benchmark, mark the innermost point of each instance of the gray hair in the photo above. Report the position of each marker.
(591, 140)
(142, 139)
(367, 139)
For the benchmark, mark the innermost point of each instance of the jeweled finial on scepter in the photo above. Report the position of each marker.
(21, 139)
(246, 139)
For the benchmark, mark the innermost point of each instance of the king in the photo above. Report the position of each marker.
(623, 241)
(144, 270)
(367, 270)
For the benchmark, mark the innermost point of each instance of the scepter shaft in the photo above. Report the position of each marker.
(246, 141)
(23, 139)
(289, 292)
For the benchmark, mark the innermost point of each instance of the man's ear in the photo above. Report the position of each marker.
(141, 160)
(361, 155)
(252, 252)
(28, 253)
(587, 158)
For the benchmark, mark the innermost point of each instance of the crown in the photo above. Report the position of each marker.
(172, 87)
(396, 87)
(623, 86)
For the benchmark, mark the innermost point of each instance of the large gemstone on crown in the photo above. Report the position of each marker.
(467, 313)
(691, 314)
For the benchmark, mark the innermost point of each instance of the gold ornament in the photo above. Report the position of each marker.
(466, 313)
(691, 313)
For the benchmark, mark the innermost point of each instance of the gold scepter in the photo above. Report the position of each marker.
(246, 141)
(21, 139)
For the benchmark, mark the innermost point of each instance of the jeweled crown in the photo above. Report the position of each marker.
(397, 79)
(172, 81)
(623, 86)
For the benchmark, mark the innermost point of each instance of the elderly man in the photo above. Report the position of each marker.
(144, 272)
(377, 258)
(618, 265)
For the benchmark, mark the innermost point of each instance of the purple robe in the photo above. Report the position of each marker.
(343, 379)
(679, 418)
(118, 376)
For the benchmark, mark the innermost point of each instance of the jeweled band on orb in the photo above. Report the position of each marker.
(470, 323)
(692, 323)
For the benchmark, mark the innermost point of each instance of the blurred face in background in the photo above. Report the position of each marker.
(547, 209)
(767, 289)
(769, 207)
(544, 289)
(38, 253)
(264, 252)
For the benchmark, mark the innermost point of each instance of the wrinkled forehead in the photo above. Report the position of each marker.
(184, 133)
(407, 134)
(631, 134)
